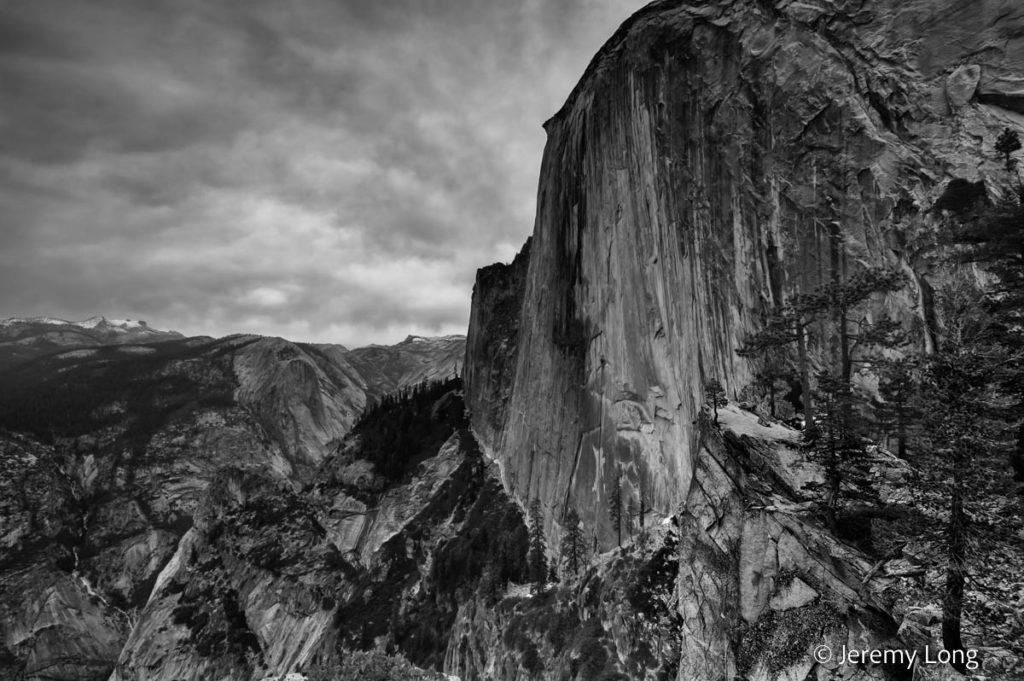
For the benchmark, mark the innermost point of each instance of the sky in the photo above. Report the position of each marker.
(325, 170)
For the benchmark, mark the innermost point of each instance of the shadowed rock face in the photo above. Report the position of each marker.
(494, 334)
(716, 158)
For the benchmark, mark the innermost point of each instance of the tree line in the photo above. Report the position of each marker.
(406, 427)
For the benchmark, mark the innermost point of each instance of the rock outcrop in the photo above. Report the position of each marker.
(494, 333)
(741, 583)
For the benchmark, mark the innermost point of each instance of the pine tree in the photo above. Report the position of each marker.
(839, 443)
(615, 506)
(1007, 143)
(966, 412)
(786, 325)
(995, 241)
(843, 298)
(897, 387)
(537, 557)
(770, 372)
(644, 509)
(631, 514)
(714, 395)
(839, 300)
(574, 544)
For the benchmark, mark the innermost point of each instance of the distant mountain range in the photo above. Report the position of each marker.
(386, 367)
(65, 379)
(22, 338)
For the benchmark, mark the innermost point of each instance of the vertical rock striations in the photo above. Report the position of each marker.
(716, 158)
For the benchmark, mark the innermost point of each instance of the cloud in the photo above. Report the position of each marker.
(329, 171)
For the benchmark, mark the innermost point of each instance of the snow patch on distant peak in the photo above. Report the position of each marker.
(93, 322)
(128, 323)
(412, 338)
(90, 323)
(32, 320)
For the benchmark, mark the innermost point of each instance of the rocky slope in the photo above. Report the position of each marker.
(108, 454)
(270, 581)
(771, 584)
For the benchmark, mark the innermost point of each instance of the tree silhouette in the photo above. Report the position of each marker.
(615, 508)
(1007, 143)
(840, 300)
(839, 443)
(967, 411)
(537, 558)
(574, 543)
(897, 387)
(714, 395)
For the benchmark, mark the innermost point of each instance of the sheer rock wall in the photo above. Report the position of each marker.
(714, 158)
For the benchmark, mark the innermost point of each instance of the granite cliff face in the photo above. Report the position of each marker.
(716, 158)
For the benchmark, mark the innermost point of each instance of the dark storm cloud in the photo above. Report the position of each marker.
(322, 170)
